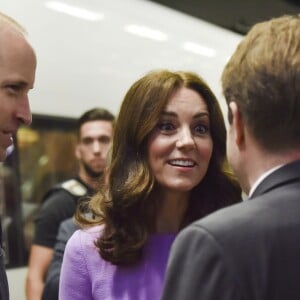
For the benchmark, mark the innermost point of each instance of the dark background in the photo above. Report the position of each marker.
(235, 15)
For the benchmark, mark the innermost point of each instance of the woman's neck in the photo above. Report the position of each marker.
(171, 210)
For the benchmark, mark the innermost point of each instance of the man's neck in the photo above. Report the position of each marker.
(89, 181)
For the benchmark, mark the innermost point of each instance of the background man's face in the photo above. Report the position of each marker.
(93, 146)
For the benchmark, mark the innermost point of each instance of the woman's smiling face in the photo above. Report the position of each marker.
(180, 146)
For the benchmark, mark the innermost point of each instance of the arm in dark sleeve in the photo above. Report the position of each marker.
(59, 206)
(4, 293)
(197, 269)
(66, 229)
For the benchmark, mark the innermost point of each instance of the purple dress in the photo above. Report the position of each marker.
(85, 275)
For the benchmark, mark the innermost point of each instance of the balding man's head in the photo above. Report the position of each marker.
(17, 75)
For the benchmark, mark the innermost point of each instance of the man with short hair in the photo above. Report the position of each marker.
(17, 75)
(252, 250)
(94, 131)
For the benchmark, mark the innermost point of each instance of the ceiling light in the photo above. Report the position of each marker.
(146, 32)
(74, 11)
(199, 49)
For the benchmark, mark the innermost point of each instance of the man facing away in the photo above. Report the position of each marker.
(251, 251)
(17, 74)
(94, 131)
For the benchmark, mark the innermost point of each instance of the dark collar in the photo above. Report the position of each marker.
(90, 191)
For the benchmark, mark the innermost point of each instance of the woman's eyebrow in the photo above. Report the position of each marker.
(196, 116)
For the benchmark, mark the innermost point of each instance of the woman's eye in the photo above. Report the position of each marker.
(165, 126)
(202, 129)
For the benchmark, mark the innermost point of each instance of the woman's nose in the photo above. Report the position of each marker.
(185, 139)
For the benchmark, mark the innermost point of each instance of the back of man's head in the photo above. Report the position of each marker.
(263, 78)
(7, 21)
(95, 114)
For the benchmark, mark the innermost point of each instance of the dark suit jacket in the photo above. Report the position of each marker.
(66, 229)
(249, 251)
(4, 295)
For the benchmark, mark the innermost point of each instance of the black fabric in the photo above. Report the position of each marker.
(0, 233)
(4, 294)
(59, 205)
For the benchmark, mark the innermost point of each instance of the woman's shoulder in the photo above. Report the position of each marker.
(82, 250)
(86, 236)
(93, 230)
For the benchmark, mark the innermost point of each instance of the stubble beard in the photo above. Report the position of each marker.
(90, 172)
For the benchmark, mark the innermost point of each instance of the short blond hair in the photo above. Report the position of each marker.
(263, 78)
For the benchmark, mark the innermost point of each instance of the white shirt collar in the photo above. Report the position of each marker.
(261, 178)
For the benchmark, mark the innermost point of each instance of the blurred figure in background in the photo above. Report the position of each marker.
(65, 231)
(167, 169)
(252, 250)
(95, 131)
(17, 75)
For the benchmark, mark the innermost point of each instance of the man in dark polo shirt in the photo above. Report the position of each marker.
(95, 130)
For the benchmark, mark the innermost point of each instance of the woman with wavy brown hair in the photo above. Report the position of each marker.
(167, 168)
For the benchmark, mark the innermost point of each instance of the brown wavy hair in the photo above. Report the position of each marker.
(123, 204)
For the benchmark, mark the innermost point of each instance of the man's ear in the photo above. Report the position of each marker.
(77, 152)
(237, 125)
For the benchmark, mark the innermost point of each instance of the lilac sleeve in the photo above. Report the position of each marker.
(74, 279)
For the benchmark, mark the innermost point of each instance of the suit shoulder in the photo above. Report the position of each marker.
(228, 219)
